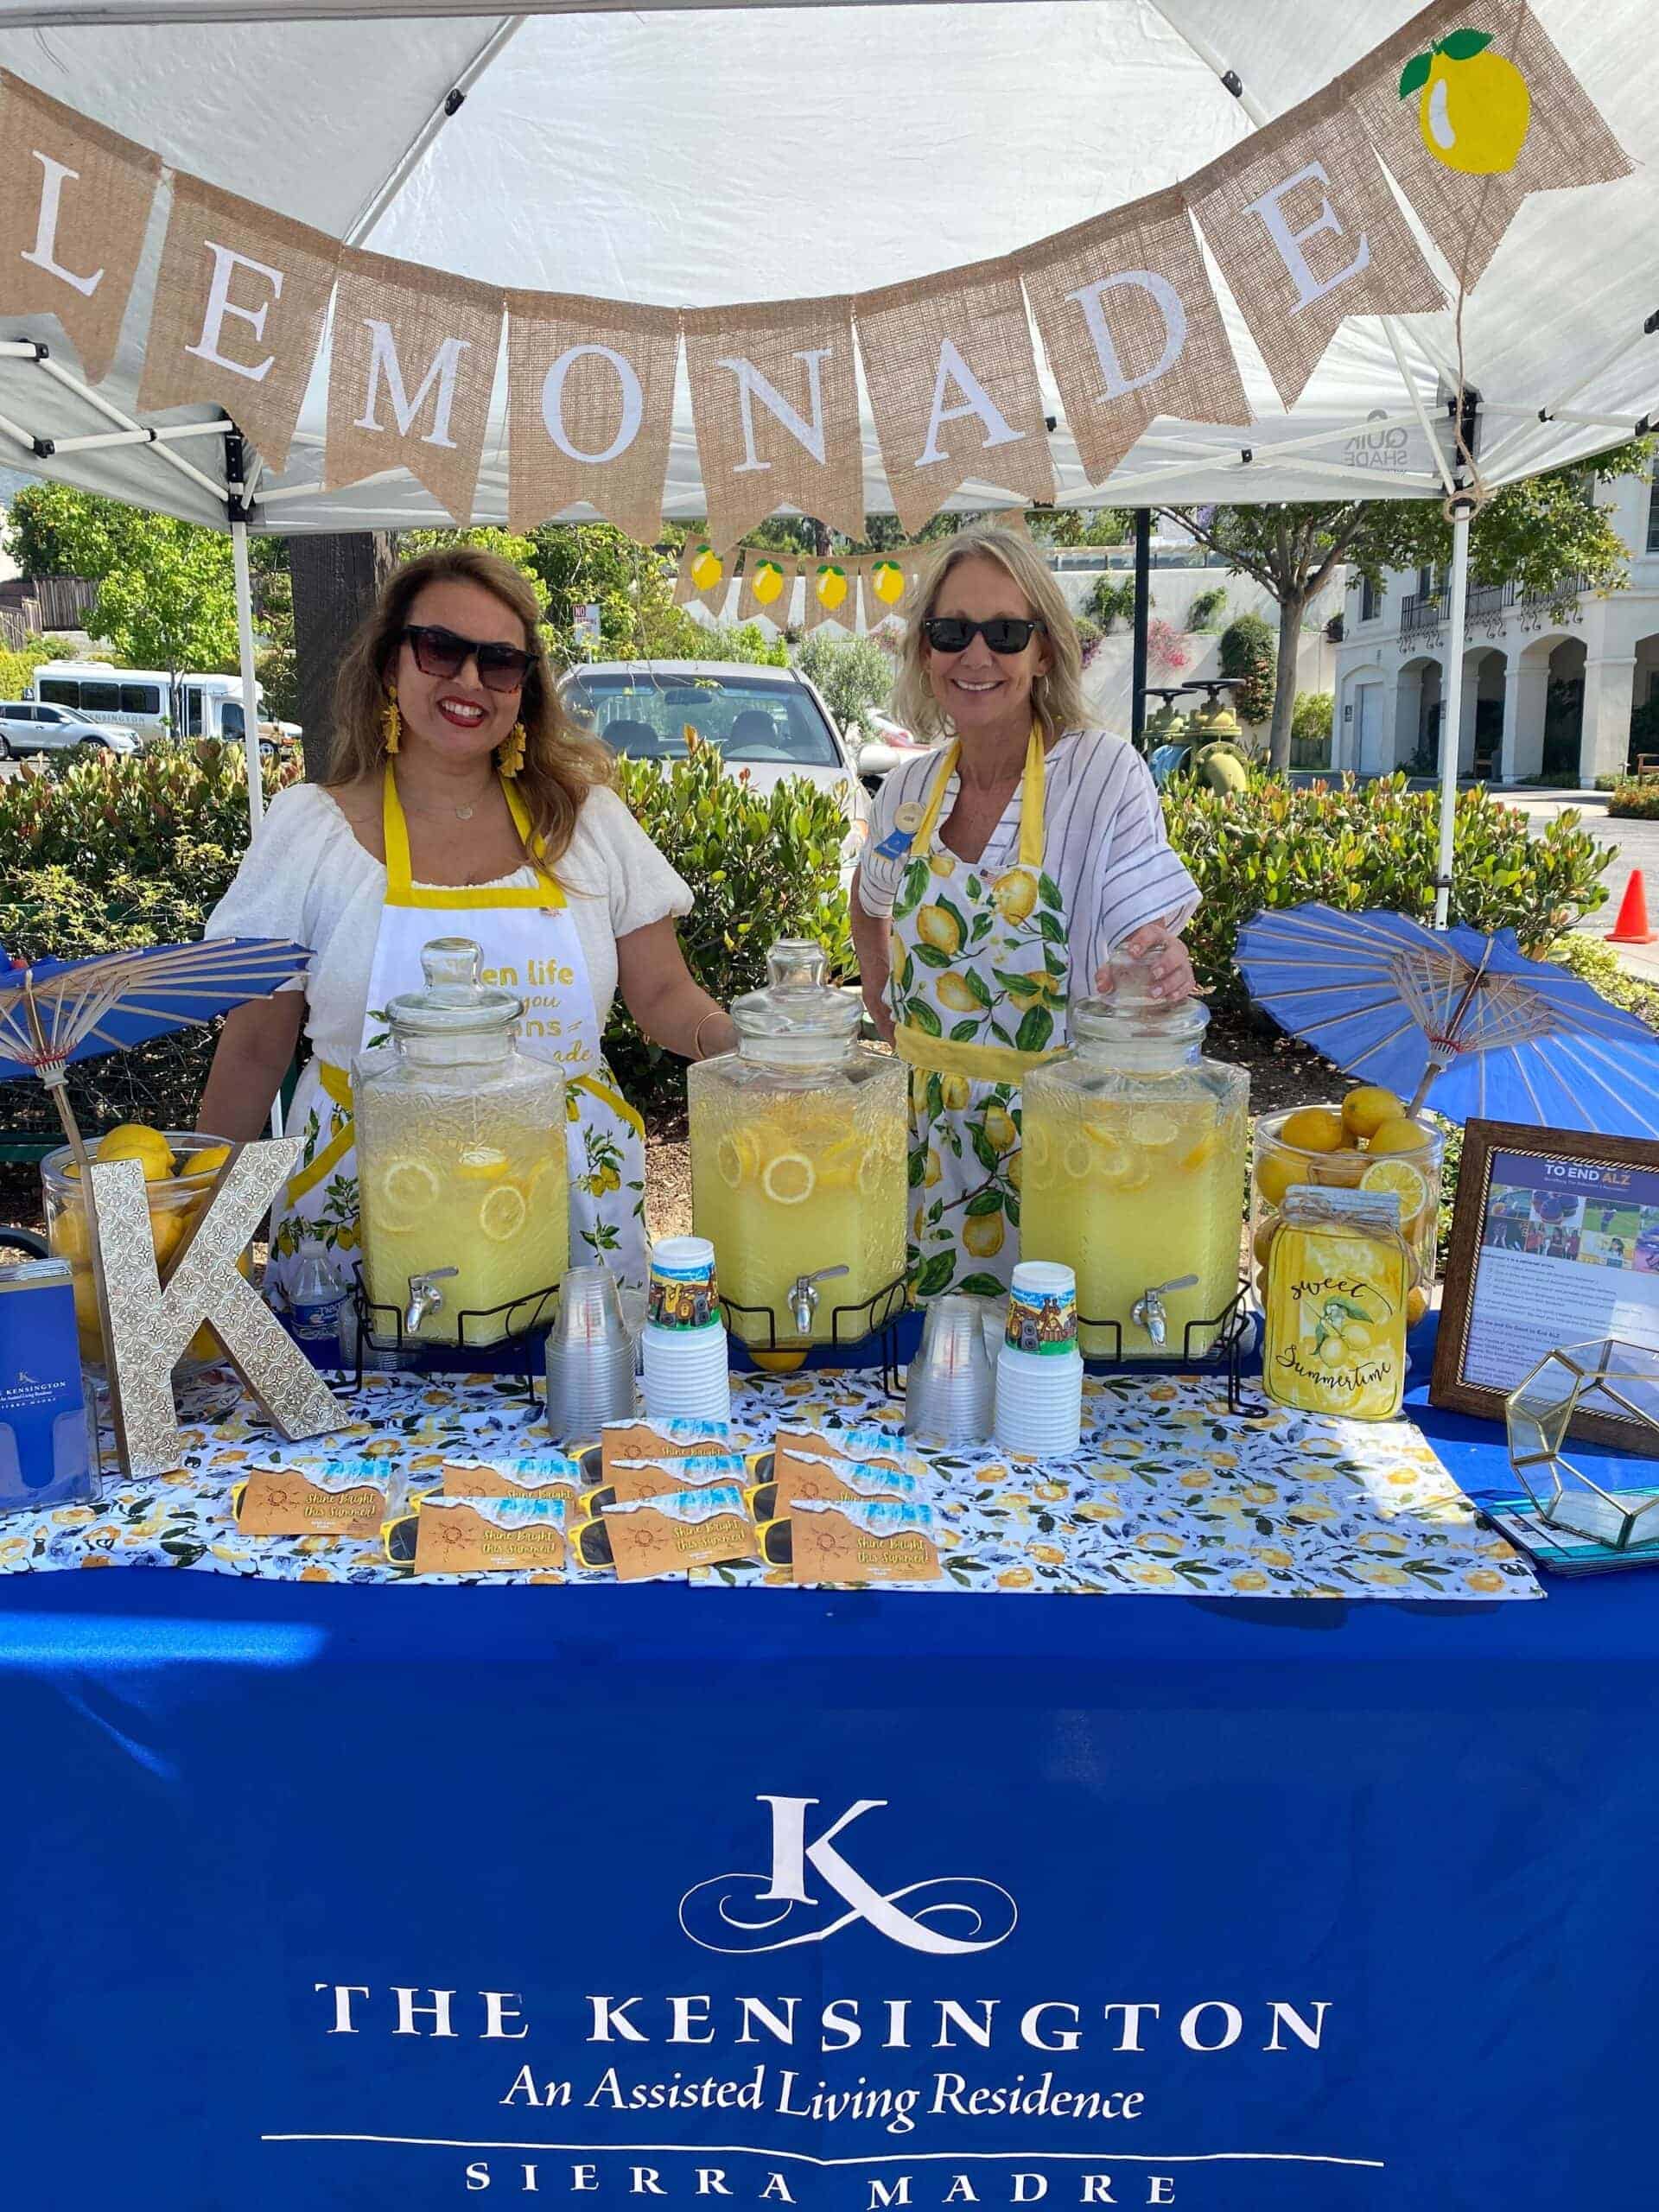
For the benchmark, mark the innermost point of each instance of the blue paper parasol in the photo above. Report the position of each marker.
(1462, 1023)
(61, 1010)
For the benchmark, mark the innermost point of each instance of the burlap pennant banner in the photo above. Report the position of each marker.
(953, 388)
(1307, 232)
(240, 300)
(768, 588)
(1131, 328)
(831, 590)
(591, 395)
(74, 205)
(774, 399)
(414, 361)
(705, 576)
(1472, 108)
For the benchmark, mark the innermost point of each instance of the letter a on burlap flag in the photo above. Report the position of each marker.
(1472, 108)
(74, 205)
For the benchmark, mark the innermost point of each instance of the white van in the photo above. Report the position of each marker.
(148, 703)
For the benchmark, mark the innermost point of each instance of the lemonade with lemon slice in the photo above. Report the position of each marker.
(460, 1160)
(1133, 1173)
(799, 1158)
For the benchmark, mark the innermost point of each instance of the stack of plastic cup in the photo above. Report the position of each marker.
(590, 1355)
(1038, 1368)
(683, 1342)
(951, 1386)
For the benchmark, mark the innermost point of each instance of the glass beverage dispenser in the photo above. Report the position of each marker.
(461, 1159)
(1132, 1172)
(800, 1143)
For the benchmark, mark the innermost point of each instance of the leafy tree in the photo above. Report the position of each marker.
(1544, 534)
(854, 674)
(1310, 722)
(1081, 525)
(18, 664)
(1246, 654)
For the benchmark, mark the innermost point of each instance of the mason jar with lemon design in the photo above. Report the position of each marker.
(461, 1163)
(798, 1147)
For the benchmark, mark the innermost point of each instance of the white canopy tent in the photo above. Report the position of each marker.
(695, 157)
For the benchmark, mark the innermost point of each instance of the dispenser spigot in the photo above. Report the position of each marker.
(1148, 1310)
(425, 1296)
(803, 1295)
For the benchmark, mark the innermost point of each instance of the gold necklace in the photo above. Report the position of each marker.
(436, 813)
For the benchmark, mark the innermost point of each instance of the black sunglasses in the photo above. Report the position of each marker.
(1003, 634)
(444, 654)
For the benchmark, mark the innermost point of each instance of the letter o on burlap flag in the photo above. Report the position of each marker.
(953, 386)
(590, 386)
(412, 366)
(240, 299)
(774, 398)
(74, 206)
(1131, 328)
(1501, 100)
(1307, 232)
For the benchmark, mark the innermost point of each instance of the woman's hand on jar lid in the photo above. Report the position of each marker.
(1169, 965)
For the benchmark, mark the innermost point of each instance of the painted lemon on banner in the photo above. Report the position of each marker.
(1015, 894)
(768, 583)
(938, 926)
(1475, 108)
(831, 586)
(887, 582)
(957, 993)
(707, 567)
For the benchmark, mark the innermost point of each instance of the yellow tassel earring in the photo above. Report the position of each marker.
(512, 752)
(391, 724)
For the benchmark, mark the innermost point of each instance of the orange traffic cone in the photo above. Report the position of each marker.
(1631, 927)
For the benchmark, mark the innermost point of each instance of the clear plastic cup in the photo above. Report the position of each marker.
(950, 1386)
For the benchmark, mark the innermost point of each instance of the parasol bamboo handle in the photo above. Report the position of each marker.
(52, 1076)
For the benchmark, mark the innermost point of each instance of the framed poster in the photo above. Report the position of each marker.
(1554, 1242)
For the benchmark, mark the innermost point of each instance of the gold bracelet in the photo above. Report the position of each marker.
(696, 1034)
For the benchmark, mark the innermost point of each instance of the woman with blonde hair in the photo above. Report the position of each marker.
(998, 881)
(461, 801)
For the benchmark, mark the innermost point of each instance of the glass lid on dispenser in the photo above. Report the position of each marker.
(799, 1016)
(1132, 1015)
(455, 1003)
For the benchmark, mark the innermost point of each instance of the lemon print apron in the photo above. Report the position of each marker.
(523, 930)
(981, 969)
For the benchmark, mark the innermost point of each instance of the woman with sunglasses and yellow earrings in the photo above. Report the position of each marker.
(460, 802)
(998, 877)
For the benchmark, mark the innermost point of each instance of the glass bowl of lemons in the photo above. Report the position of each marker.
(179, 1166)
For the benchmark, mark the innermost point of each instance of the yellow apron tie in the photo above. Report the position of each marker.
(338, 1085)
(937, 1055)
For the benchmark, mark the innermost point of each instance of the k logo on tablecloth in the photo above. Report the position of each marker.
(739, 1913)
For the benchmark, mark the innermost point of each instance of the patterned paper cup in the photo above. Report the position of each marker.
(683, 1294)
(1042, 1316)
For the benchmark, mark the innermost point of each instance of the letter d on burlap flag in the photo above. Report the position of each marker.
(240, 299)
(1307, 232)
(413, 363)
(1472, 108)
(74, 205)
(953, 387)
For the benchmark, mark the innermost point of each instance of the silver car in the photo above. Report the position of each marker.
(26, 728)
(768, 721)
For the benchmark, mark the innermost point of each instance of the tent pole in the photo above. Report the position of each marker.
(1452, 703)
(250, 688)
(1142, 607)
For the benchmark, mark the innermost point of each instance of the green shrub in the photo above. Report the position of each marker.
(1355, 845)
(854, 674)
(1631, 801)
(1206, 610)
(18, 663)
(1247, 652)
(1089, 635)
(1112, 600)
(1310, 730)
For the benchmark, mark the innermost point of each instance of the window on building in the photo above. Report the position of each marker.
(1426, 583)
(1653, 511)
(1368, 600)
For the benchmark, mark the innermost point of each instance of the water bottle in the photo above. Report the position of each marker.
(316, 1296)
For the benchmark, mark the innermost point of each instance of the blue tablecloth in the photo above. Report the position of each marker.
(1377, 1878)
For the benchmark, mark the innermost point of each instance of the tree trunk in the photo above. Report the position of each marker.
(1284, 685)
(336, 580)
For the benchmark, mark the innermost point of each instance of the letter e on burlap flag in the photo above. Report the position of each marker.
(240, 299)
(413, 364)
(74, 206)
(768, 588)
(774, 398)
(1472, 108)
(1307, 232)
(953, 386)
(1131, 328)
(590, 386)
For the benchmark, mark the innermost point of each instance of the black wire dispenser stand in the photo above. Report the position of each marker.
(851, 1328)
(526, 1322)
(1224, 1355)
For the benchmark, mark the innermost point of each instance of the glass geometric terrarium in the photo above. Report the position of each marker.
(1569, 1399)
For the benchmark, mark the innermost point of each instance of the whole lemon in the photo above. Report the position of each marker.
(1399, 1135)
(207, 1162)
(1314, 1129)
(1416, 1304)
(1276, 1173)
(1365, 1109)
(134, 1140)
(1340, 1170)
(1261, 1244)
